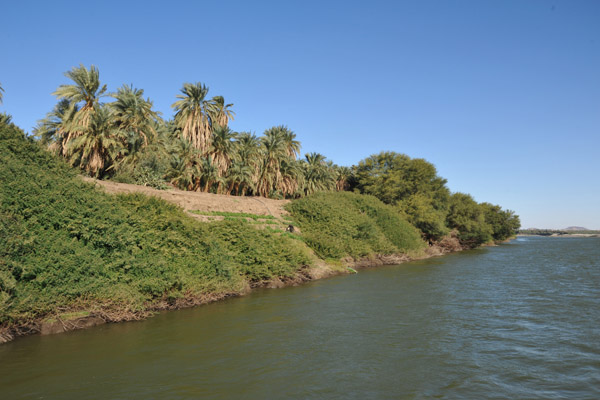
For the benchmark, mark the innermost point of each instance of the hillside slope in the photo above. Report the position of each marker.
(66, 246)
(70, 252)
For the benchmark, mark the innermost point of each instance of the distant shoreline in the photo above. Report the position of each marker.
(563, 235)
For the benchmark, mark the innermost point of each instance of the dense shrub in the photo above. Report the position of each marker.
(504, 223)
(467, 216)
(338, 224)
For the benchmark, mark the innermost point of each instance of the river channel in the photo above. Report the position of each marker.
(520, 320)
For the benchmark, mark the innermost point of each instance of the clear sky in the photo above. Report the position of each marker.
(502, 96)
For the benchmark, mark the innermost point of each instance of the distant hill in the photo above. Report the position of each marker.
(576, 228)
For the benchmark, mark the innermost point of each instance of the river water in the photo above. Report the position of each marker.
(521, 320)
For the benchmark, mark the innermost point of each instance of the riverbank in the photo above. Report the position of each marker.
(205, 209)
(76, 253)
(564, 235)
(84, 318)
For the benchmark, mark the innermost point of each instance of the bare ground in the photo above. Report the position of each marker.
(199, 201)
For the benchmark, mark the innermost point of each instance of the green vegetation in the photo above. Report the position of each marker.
(344, 224)
(66, 248)
(504, 223)
(415, 189)
(233, 214)
(468, 218)
(126, 140)
(64, 244)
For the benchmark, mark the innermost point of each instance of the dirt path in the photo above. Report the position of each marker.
(204, 202)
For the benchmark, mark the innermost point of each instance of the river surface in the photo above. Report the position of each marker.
(521, 320)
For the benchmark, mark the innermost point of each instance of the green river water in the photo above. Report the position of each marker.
(521, 320)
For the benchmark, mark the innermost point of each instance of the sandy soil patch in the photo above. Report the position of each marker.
(198, 201)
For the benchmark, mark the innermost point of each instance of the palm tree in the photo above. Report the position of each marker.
(191, 115)
(292, 146)
(343, 175)
(219, 112)
(316, 175)
(248, 153)
(292, 177)
(222, 149)
(185, 172)
(5, 119)
(134, 114)
(239, 175)
(100, 142)
(53, 130)
(248, 147)
(1, 93)
(84, 94)
(209, 173)
(273, 151)
(182, 175)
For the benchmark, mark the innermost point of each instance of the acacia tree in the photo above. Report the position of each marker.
(466, 216)
(504, 223)
(410, 184)
(192, 115)
(420, 211)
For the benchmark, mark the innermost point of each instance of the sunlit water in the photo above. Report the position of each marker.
(521, 320)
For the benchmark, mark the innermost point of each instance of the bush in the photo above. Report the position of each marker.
(468, 218)
(339, 224)
(148, 170)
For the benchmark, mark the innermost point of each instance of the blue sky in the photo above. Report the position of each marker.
(502, 96)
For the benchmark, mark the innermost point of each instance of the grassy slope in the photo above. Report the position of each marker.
(65, 245)
(343, 224)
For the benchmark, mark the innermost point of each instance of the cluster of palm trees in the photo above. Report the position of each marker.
(197, 148)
